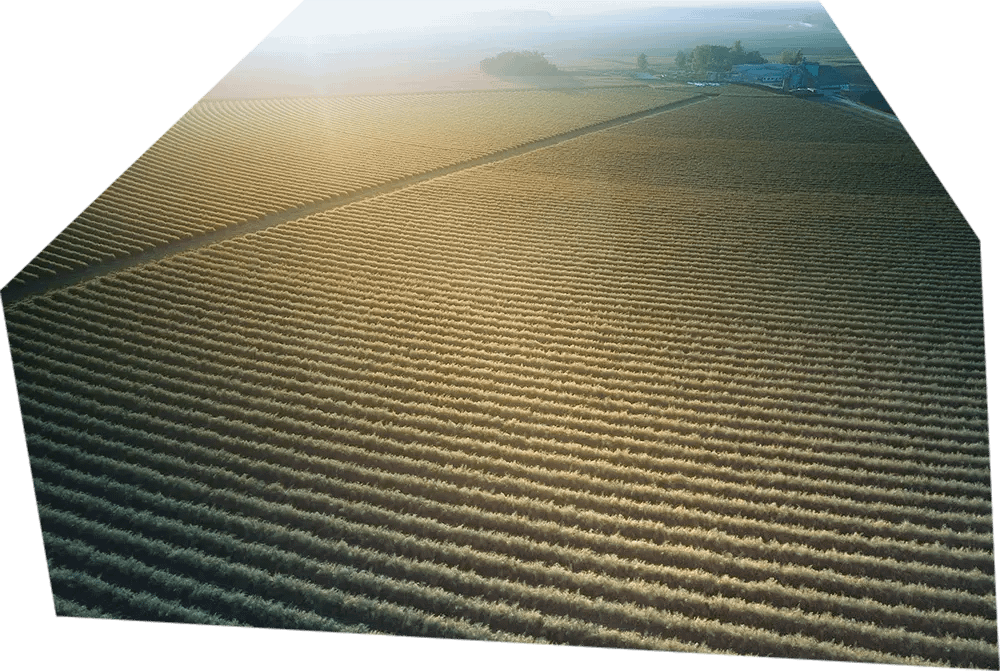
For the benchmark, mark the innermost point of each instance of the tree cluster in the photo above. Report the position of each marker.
(715, 58)
(791, 57)
(518, 63)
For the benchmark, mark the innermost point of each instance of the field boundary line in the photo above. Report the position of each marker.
(14, 293)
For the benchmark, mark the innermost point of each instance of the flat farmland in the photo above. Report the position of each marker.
(227, 162)
(711, 380)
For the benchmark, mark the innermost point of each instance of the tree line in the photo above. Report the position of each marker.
(717, 58)
(518, 63)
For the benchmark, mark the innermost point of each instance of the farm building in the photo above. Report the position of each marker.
(777, 75)
(830, 77)
(787, 77)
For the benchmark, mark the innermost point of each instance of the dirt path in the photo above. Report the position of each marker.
(850, 103)
(14, 293)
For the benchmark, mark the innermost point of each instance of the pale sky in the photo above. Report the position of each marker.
(327, 17)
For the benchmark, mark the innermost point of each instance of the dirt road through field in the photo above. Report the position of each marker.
(869, 111)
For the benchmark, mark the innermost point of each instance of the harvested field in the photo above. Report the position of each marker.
(708, 381)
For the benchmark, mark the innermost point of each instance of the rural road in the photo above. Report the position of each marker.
(861, 108)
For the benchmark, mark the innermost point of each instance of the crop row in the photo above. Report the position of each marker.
(167, 371)
(577, 328)
(361, 234)
(166, 585)
(321, 366)
(645, 507)
(334, 340)
(473, 407)
(255, 490)
(585, 583)
(632, 592)
(423, 338)
(696, 415)
(563, 323)
(425, 487)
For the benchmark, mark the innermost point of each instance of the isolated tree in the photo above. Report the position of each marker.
(642, 63)
(681, 60)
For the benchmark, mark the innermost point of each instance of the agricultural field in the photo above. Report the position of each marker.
(711, 380)
(228, 162)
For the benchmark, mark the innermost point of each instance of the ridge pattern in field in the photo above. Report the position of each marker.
(227, 162)
(615, 392)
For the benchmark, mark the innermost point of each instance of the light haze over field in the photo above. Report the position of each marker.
(334, 17)
(329, 48)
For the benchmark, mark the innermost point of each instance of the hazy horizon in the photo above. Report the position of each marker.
(313, 18)
(318, 50)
